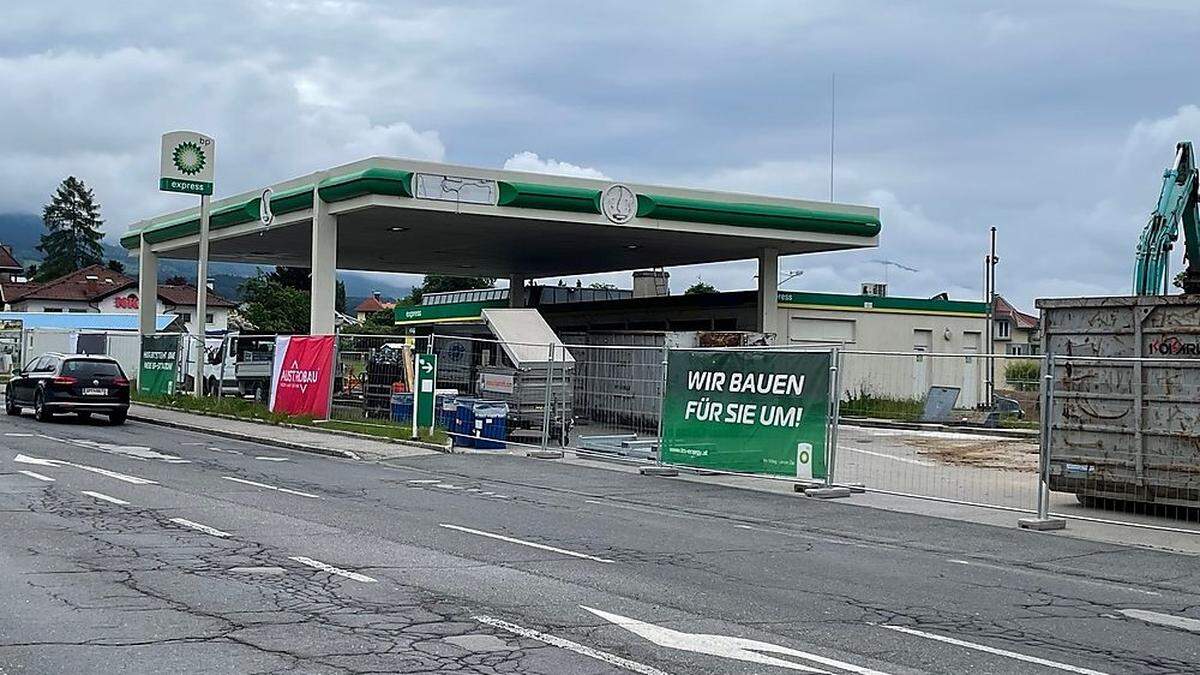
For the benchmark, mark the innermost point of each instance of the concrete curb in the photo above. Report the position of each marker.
(314, 449)
(299, 427)
(1022, 434)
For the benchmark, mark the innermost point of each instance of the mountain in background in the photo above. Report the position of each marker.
(23, 231)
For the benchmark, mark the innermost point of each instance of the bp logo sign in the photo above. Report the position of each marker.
(187, 163)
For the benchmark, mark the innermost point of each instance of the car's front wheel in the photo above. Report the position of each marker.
(40, 412)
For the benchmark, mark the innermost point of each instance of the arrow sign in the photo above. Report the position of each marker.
(741, 649)
(134, 480)
(424, 391)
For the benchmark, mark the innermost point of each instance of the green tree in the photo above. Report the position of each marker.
(273, 307)
(439, 283)
(299, 278)
(175, 280)
(116, 266)
(72, 239)
(700, 288)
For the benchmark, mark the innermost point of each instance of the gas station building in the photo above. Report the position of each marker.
(395, 215)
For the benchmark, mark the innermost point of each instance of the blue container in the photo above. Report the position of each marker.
(464, 422)
(402, 407)
(491, 424)
(445, 410)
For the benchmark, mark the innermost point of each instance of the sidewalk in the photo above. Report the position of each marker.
(296, 438)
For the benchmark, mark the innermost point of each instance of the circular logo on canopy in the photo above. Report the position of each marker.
(188, 158)
(618, 203)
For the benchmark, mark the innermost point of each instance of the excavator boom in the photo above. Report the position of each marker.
(1177, 205)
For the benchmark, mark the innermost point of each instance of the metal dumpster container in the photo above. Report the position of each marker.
(1127, 430)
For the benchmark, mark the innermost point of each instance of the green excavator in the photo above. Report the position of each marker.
(1178, 203)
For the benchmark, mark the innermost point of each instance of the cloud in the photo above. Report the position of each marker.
(531, 162)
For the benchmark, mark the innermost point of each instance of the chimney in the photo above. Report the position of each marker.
(376, 294)
(210, 283)
(651, 283)
(93, 283)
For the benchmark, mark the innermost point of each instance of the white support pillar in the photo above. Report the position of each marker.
(516, 290)
(324, 268)
(768, 292)
(147, 289)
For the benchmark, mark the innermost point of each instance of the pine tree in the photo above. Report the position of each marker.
(72, 239)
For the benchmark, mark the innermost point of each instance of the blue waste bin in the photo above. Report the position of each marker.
(402, 407)
(490, 424)
(445, 409)
(463, 426)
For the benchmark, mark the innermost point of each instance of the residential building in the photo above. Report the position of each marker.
(10, 268)
(1015, 333)
(372, 305)
(99, 289)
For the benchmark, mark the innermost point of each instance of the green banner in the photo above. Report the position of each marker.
(747, 411)
(159, 365)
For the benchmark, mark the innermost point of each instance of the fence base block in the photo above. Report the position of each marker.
(1042, 524)
(826, 492)
(545, 454)
(658, 471)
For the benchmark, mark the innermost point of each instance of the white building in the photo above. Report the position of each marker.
(98, 289)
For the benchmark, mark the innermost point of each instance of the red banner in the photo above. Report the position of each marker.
(302, 375)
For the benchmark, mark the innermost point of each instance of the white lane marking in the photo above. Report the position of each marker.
(203, 528)
(18, 435)
(103, 497)
(226, 451)
(39, 476)
(906, 460)
(423, 482)
(273, 459)
(324, 567)
(271, 487)
(562, 643)
(1053, 575)
(447, 486)
(740, 649)
(1181, 622)
(133, 480)
(998, 652)
(522, 542)
(135, 451)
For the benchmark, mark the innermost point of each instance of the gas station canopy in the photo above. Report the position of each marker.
(396, 215)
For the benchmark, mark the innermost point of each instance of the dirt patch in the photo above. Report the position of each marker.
(989, 453)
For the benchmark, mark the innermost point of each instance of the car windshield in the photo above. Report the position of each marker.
(82, 368)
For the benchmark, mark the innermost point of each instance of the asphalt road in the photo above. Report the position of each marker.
(142, 549)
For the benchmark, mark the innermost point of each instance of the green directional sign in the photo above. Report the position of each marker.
(159, 364)
(747, 411)
(424, 391)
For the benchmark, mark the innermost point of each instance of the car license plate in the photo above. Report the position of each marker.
(95, 392)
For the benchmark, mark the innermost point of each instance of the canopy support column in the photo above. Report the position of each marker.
(321, 319)
(768, 293)
(516, 290)
(147, 289)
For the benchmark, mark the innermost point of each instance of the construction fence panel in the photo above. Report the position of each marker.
(492, 393)
(917, 424)
(373, 377)
(1124, 439)
(618, 391)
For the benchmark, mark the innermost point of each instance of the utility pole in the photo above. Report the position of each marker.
(989, 296)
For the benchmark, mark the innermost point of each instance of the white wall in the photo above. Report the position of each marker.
(957, 337)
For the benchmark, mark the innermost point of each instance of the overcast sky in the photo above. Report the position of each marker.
(1050, 120)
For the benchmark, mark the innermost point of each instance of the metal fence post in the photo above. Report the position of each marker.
(659, 469)
(834, 409)
(548, 399)
(1043, 521)
(225, 344)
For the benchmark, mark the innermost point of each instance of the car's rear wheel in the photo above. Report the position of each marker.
(10, 404)
(40, 412)
(117, 417)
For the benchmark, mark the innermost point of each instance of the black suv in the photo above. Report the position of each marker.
(69, 383)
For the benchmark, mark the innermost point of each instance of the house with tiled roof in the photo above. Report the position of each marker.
(1015, 332)
(372, 305)
(11, 269)
(99, 289)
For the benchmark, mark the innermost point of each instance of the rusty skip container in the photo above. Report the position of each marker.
(1125, 423)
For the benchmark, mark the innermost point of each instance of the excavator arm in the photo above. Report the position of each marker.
(1177, 204)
